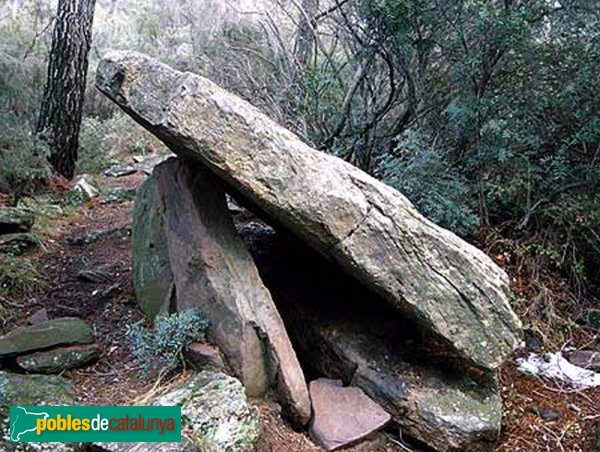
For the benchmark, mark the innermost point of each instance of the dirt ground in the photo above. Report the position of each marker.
(538, 415)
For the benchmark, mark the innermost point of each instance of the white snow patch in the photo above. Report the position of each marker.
(555, 366)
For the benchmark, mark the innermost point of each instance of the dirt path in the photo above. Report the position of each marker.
(97, 237)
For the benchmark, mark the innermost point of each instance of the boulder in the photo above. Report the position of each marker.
(215, 416)
(31, 390)
(59, 359)
(342, 416)
(343, 331)
(186, 244)
(15, 219)
(449, 288)
(63, 331)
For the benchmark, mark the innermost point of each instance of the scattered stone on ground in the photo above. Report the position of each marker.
(83, 185)
(94, 276)
(187, 253)
(203, 354)
(454, 291)
(93, 236)
(15, 219)
(342, 416)
(117, 194)
(588, 359)
(39, 316)
(215, 416)
(30, 390)
(63, 331)
(18, 243)
(59, 359)
(120, 171)
(545, 413)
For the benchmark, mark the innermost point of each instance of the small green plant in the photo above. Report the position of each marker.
(160, 349)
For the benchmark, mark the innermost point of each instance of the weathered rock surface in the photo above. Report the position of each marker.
(27, 390)
(202, 354)
(15, 219)
(588, 359)
(342, 416)
(152, 276)
(214, 409)
(63, 331)
(341, 330)
(453, 290)
(185, 244)
(58, 359)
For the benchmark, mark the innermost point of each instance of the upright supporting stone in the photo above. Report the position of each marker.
(185, 243)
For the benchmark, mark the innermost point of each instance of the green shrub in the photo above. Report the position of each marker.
(437, 189)
(160, 350)
(23, 158)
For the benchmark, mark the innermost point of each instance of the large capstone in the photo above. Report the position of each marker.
(187, 254)
(449, 288)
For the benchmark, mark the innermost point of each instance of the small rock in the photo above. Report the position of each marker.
(85, 187)
(93, 276)
(39, 316)
(203, 354)
(17, 243)
(56, 360)
(119, 171)
(94, 236)
(588, 359)
(545, 413)
(66, 330)
(117, 195)
(15, 219)
(342, 416)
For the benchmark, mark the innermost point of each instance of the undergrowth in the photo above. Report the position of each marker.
(160, 349)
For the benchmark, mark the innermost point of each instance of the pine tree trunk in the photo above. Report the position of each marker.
(60, 115)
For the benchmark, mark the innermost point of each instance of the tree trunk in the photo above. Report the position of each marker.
(60, 115)
(303, 42)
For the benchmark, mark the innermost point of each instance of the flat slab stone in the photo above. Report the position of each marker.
(56, 360)
(63, 331)
(447, 287)
(342, 416)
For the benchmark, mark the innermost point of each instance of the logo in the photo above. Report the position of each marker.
(95, 423)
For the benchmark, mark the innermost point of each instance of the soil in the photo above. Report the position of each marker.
(539, 416)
